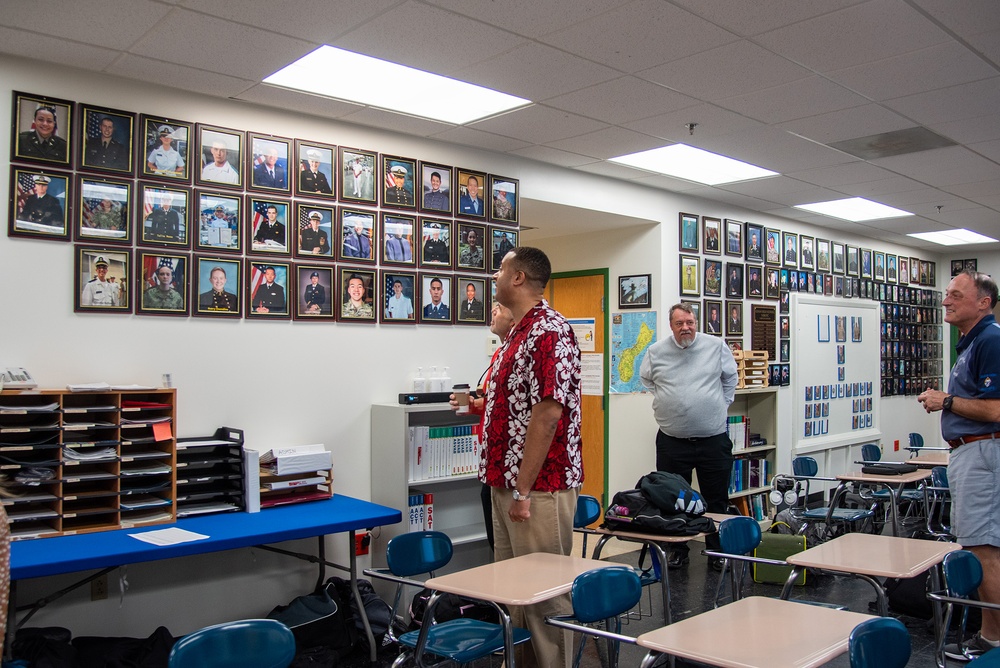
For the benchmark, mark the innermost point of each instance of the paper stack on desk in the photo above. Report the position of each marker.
(296, 459)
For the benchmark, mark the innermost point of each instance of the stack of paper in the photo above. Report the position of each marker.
(296, 459)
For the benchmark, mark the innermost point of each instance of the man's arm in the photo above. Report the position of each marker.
(730, 375)
(541, 430)
(981, 410)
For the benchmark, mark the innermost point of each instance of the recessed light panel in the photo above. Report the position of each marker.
(953, 237)
(855, 209)
(693, 164)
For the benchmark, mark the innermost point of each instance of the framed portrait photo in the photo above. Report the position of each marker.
(314, 230)
(399, 297)
(399, 176)
(435, 295)
(42, 130)
(755, 281)
(772, 247)
(40, 203)
(688, 231)
(471, 247)
(853, 261)
(735, 345)
(435, 188)
(879, 269)
(162, 284)
(269, 163)
(101, 278)
(218, 287)
(164, 218)
(734, 238)
(472, 300)
(315, 287)
(838, 262)
(713, 317)
(357, 294)
(104, 210)
(220, 152)
(635, 291)
(397, 239)
(354, 240)
(754, 242)
(891, 269)
(914, 270)
(711, 233)
(106, 140)
(734, 280)
(712, 285)
(435, 243)
(357, 175)
(504, 203)
(690, 268)
(807, 253)
(314, 174)
(471, 186)
(904, 270)
(695, 309)
(165, 152)
(267, 227)
(219, 216)
(734, 318)
(823, 259)
(772, 282)
(267, 289)
(501, 242)
(866, 263)
(790, 242)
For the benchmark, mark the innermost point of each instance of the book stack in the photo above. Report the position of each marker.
(443, 452)
(738, 429)
(420, 511)
(748, 474)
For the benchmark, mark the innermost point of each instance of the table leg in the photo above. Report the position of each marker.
(935, 585)
(664, 580)
(353, 565)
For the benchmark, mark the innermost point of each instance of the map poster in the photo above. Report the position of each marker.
(631, 334)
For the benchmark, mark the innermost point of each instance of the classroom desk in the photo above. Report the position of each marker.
(869, 556)
(226, 531)
(929, 460)
(524, 580)
(756, 631)
(894, 483)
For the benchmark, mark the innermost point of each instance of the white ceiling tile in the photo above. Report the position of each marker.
(799, 99)
(290, 100)
(538, 124)
(803, 194)
(972, 219)
(975, 17)
(526, 17)
(833, 176)
(536, 72)
(712, 121)
(188, 38)
(746, 18)
(938, 66)
(969, 100)
(667, 183)
(621, 100)
(179, 76)
(975, 188)
(116, 24)
(870, 31)
(766, 187)
(863, 121)
(55, 49)
(553, 156)
(942, 166)
(772, 148)
(988, 43)
(607, 143)
(483, 140)
(738, 199)
(924, 198)
(988, 149)
(874, 189)
(970, 130)
(638, 35)
(387, 120)
(725, 71)
(612, 169)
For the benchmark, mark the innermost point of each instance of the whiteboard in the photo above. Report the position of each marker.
(838, 378)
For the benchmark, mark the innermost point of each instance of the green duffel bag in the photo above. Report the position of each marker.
(777, 546)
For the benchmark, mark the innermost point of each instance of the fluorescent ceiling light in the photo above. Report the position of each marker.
(854, 209)
(953, 237)
(354, 77)
(693, 164)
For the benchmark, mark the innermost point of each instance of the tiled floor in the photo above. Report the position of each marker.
(692, 590)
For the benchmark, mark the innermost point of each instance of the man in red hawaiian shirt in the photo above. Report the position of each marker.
(532, 456)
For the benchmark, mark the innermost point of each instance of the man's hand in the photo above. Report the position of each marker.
(932, 400)
(519, 511)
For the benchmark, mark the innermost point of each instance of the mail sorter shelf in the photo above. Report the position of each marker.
(71, 458)
(210, 473)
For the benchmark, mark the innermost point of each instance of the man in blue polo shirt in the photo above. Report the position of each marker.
(970, 423)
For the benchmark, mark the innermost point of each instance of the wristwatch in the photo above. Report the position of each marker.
(948, 401)
(520, 497)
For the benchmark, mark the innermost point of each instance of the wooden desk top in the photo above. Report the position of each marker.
(930, 459)
(879, 556)
(761, 632)
(637, 536)
(523, 580)
(901, 479)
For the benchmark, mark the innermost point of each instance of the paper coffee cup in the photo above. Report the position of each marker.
(461, 393)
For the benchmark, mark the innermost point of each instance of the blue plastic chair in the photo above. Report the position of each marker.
(882, 642)
(603, 594)
(962, 575)
(937, 505)
(805, 470)
(588, 511)
(251, 643)
(460, 640)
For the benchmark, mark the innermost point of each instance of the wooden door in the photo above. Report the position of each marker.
(583, 295)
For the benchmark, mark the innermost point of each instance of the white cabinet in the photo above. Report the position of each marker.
(749, 491)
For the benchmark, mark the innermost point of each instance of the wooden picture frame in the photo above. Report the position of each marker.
(166, 149)
(162, 283)
(807, 252)
(734, 238)
(357, 292)
(435, 289)
(502, 241)
(772, 247)
(356, 230)
(713, 317)
(891, 269)
(755, 282)
(690, 276)
(269, 164)
(314, 230)
(101, 278)
(823, 256)
(470, 200)
(853, 261)
(712, 283)
(436, 188)
(315, 286)
(106, 140)
(399, 176)
(315, 175)
(711, 235)
(471, 300)
(772, 282)
(878, 265)
(734, 280)
(436, 243)
(635, 291)
(838, 257)
(471, 247)
(217, 290)
(267, 289)
(41, 202)
(398, 304)
(267, 226)
(687, 228)
(220, 222)
(734, 318)
(398, 234)
(220, 153)
(904, 270)
(505, 204)
(358, 182)
(42, 131)
(790, 249)
(754, 251)
(165, 218)
(866, 263)
(103, 210)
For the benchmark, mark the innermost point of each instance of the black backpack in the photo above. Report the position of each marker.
(631, 510)
(449, 607)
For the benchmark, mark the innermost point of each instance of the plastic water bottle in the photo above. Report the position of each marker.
(419, 382)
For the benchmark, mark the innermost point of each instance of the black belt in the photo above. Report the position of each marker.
(962, 440)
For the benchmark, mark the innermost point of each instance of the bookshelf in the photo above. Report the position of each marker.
(754, 411)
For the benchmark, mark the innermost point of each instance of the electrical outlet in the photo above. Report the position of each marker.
(99, 588)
